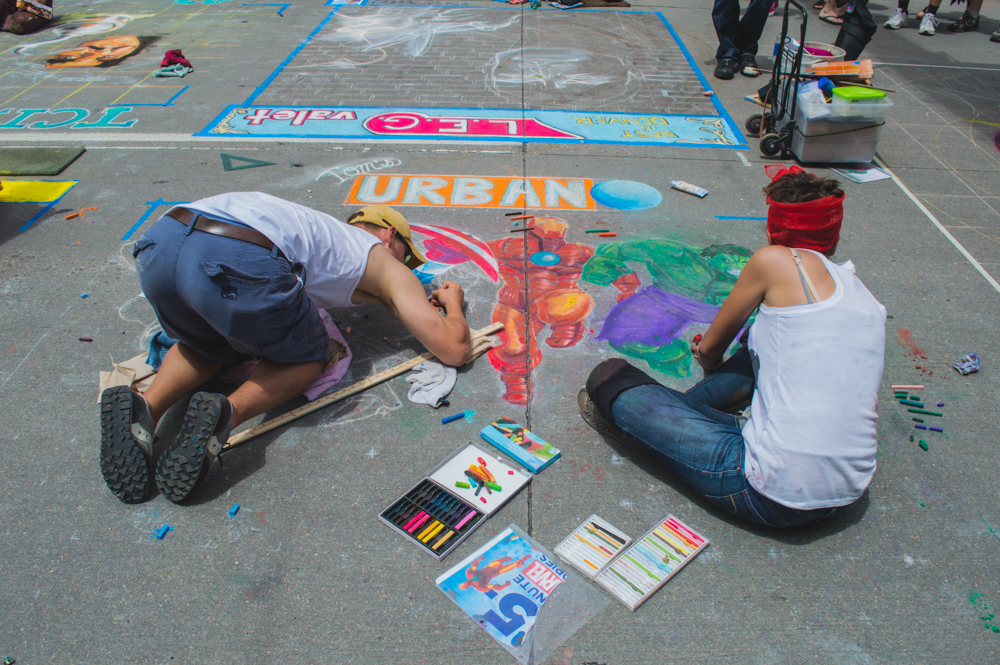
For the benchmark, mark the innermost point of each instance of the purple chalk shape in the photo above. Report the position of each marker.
(653, 317)
(935, 429)
(940, 403)
(921, 426)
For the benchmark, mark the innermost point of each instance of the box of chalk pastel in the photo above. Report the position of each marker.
(631, 571)
(458, 495)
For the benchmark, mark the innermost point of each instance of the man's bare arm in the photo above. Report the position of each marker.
(390, 283)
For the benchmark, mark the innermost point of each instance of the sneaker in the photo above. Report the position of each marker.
(593, 417)
(726, 69)
(126, 444)
(204, 431)
(748, 66)
(928, 24)
(900, 19)
(774, 8)
(995, 37)
(967, 23)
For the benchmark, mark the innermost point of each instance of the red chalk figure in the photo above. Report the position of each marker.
(553, 299)
(479, 578)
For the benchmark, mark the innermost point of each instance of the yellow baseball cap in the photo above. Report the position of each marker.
(384, 216)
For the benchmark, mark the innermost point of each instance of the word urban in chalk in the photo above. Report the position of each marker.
(473, 192)
(345, 173)
(28, 119)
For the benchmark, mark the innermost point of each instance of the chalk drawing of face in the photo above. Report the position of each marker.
(414, 28)
(560, 72)
(79, 28)
(94, 54)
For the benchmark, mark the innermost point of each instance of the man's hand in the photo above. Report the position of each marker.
(449, 297)
(389, 282)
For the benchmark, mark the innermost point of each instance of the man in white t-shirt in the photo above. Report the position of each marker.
(241, 275)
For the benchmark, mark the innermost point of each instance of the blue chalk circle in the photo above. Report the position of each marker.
(544, 258)
(626, 195)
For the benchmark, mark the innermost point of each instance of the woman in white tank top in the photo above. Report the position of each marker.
(812, 362)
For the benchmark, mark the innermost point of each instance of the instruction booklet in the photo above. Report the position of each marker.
(513, 588)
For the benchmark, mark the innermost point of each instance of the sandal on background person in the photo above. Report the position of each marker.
(831, 13)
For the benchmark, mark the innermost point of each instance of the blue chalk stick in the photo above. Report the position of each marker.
(162, 531)
(921, 426)
(449, 419)
(235, 509)
(83, 295)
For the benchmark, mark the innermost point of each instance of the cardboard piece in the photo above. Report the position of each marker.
(134, 373)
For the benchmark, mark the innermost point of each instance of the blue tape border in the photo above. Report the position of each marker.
(153, 205)
(723, 113)
(263, 86)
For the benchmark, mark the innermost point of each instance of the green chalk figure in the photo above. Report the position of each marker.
(689, 284)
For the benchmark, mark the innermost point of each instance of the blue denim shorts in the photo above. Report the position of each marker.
(228, 299)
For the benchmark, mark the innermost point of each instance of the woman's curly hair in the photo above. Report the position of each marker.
(801, 187)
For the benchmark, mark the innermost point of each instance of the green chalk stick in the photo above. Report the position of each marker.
(918, 420)
(926, 413)
(464, 486)
(597, 231)
(911, 437)
(494, 486)
(922, 444)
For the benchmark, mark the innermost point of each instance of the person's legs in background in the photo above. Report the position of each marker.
(900, 18)
(969, 21)
(928, 18)
(750, 29)
(726, 18)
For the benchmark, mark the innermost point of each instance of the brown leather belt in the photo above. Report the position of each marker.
(220, 228)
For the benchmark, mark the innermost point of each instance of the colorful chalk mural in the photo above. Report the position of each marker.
(472, 124)
(106, 52)
(543, 277)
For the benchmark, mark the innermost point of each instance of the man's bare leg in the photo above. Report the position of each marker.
(182, 371)
(271, 384)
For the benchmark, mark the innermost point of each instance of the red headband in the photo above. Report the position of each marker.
(811, 225)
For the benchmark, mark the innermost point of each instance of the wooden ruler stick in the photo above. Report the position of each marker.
(353, 389)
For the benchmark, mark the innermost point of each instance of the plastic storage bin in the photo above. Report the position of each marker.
(838, 131)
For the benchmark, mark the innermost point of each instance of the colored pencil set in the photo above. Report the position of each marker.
(631, 573)
(431, 516)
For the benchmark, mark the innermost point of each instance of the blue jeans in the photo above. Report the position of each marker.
(738, 37)
(693, 437)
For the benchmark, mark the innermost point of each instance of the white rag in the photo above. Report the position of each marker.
(431, 382)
